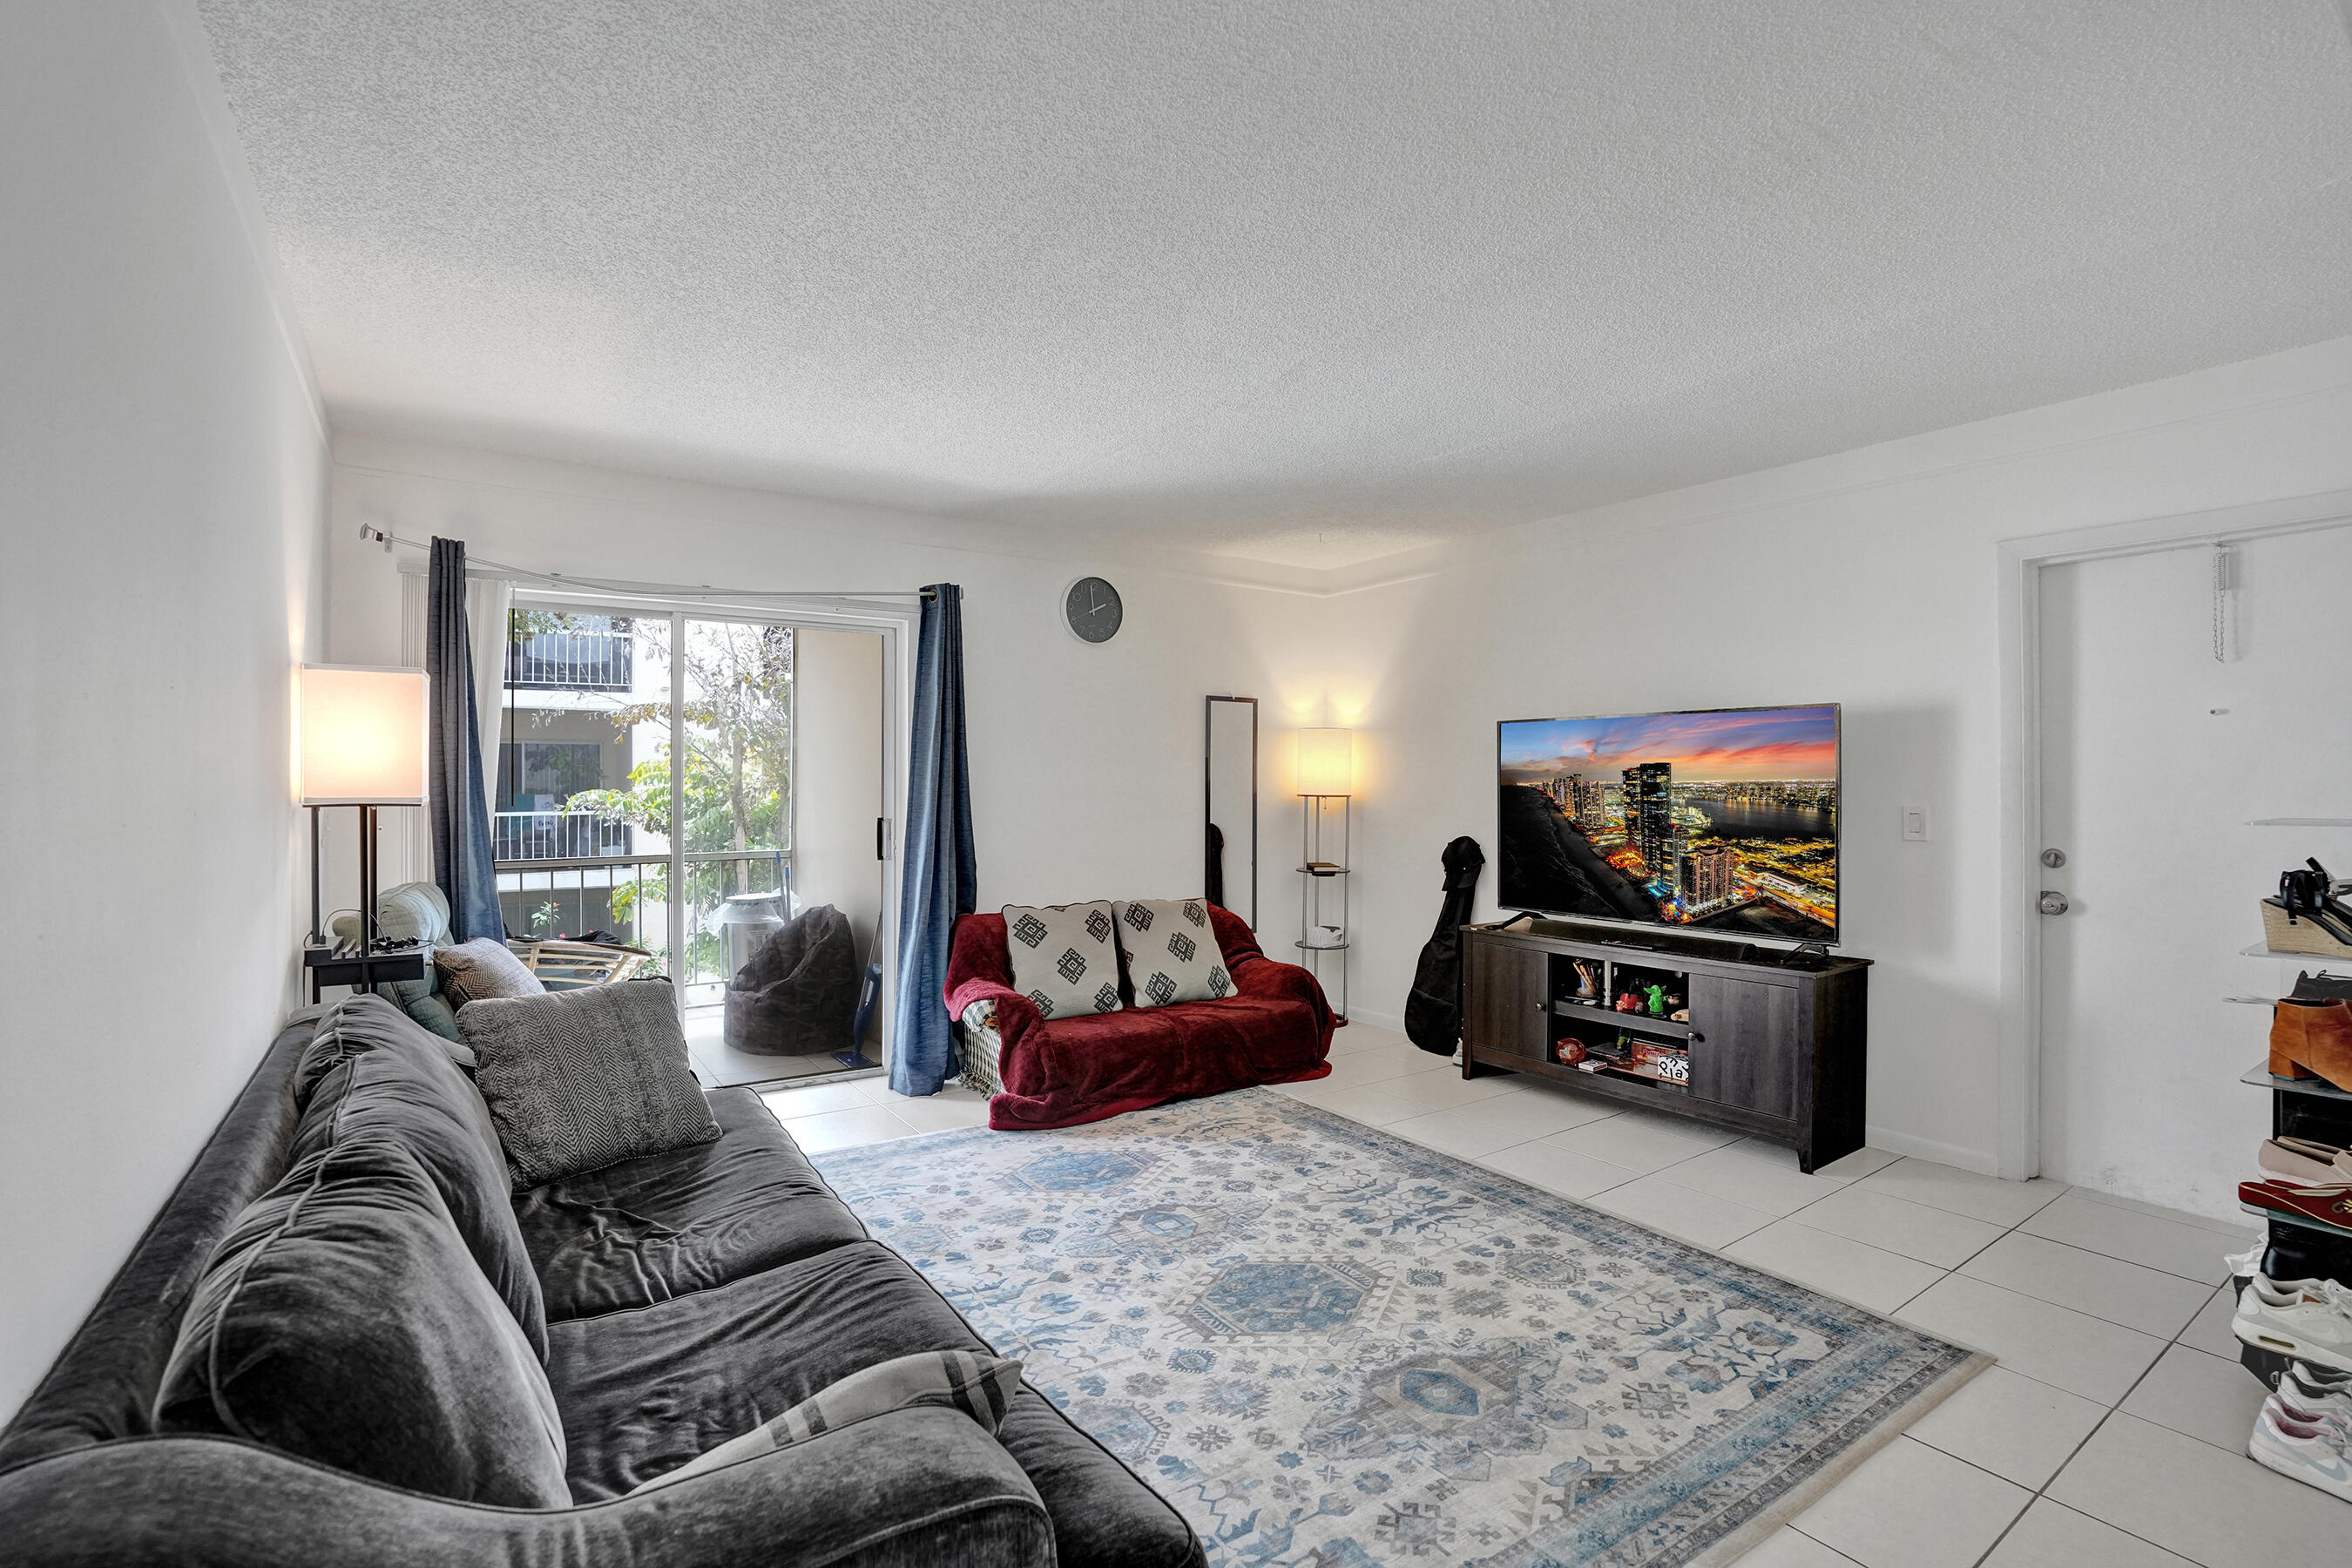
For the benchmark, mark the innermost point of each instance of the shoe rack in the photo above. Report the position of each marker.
(2295, 1247)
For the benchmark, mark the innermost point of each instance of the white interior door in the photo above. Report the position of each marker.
(2155, 756)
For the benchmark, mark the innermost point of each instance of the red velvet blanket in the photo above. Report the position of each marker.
(1275, 1028)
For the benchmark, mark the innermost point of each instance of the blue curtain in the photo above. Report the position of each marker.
(461, 823)
(939, 878)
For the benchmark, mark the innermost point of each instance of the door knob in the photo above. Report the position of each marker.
(2051, 903)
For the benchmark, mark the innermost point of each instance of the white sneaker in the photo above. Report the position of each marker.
(2294, 1411)
(2312, 1455)
(2305, 1389)
(2308, 1319)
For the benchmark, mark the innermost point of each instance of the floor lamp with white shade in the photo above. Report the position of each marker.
(361, 741)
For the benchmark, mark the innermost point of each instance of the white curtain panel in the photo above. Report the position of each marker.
(488, 600)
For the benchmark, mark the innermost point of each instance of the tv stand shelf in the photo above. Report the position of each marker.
(1609, 1017)
(1775, 1045)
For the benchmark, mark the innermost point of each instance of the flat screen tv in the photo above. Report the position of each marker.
(1721, 820)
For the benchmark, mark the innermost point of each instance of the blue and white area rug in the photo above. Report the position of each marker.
(1333, 1347)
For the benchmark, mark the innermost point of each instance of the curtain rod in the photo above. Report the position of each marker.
(374, 535)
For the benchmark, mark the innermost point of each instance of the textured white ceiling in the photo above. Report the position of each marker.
(1307, 282)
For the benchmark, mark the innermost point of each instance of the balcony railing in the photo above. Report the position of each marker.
(572, 661)
(556, 836)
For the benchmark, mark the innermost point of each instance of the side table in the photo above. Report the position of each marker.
(333, 966)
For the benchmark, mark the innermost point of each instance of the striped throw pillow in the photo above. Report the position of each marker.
(981, 1386)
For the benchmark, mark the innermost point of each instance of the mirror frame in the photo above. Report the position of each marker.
(1209, 796)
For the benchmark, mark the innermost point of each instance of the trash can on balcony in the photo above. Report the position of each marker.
(748, 919)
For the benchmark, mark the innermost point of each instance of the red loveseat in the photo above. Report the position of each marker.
(1275, 1028)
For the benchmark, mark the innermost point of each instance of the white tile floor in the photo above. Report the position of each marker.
(2111, 1433)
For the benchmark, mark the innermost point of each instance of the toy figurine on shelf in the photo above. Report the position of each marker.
(1588, 989)
(1628, 1004)
(1569, 1052)
(1657, 1001)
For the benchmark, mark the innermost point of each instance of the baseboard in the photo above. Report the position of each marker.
(1379, 1020)
(1980, 1161)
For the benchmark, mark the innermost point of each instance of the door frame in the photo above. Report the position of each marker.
(898, 625)
(2019, 567)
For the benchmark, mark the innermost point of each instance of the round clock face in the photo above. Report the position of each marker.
(1093, 609)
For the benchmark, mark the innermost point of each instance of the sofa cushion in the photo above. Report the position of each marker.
(1171, 951)
(577, 1080)
(357, 1025)
(643, 1392)
(683, 1220)
(1064, 958)
(979, 1386)
(341, 1320)
(482, 969)
(390, 1079)
(435, 1013)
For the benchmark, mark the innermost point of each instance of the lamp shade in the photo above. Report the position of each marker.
(361, 735)
(1325, 761)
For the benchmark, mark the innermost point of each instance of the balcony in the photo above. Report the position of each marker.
(556, 836)
(572, 661)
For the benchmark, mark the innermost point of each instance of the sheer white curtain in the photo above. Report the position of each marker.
(488, 600)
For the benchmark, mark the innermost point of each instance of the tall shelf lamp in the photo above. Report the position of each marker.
(361, 742)
(1326, 769)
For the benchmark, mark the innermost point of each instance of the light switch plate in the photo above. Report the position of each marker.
(1914, 823)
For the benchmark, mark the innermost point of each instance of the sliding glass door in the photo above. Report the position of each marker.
(642, 756)
(734, 796)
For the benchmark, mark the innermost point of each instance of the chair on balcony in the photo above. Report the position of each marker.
(565, 965)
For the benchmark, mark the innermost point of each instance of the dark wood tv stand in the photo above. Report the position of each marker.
(1777, 1041)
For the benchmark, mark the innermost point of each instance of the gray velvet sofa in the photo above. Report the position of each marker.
(686, 1297)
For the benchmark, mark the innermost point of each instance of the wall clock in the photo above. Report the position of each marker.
(1093, 610)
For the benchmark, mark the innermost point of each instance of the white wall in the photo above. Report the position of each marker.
(1085, 760)
(161, 481)
(837, 706)
(1866, 579)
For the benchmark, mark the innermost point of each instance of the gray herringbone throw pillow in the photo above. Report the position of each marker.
(581, 1079)
(981, 1386)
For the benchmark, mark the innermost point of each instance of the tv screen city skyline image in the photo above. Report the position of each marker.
(1720, 821)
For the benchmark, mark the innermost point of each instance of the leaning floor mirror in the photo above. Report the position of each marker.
(1230, 767)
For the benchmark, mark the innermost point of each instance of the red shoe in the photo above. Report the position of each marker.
(2330, 1205)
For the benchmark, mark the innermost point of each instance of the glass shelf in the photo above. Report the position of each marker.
(2279, 1217)
(2259, 1076)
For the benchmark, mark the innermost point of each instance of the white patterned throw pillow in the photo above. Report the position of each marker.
(981, 1386)
(1063, 957)
(1171, 951)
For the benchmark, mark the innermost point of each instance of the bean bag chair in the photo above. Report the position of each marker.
(798, 994)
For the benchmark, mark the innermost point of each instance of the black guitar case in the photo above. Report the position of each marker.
(1433, 1014)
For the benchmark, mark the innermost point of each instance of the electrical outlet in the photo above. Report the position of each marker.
(1914, 823)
